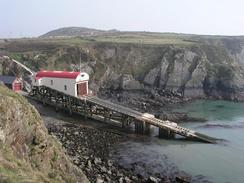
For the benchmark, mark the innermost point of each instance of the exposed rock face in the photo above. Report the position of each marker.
(209, 68)
(129, 83)
(27, 152)
(123, 82)
(197, 72)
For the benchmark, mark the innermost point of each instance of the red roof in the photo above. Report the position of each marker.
(57, 74)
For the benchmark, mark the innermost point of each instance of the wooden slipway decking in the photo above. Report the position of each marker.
(94, 107)
(162, 124)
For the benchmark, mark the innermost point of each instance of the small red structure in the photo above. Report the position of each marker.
(12, 82)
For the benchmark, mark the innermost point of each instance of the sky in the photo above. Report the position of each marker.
(31, 18)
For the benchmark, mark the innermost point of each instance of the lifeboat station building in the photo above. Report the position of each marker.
(71, 83)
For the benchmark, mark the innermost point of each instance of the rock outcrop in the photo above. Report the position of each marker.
(196, 72)
(27, 152)
(206, 67)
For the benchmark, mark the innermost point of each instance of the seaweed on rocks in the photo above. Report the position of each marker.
(89, 149)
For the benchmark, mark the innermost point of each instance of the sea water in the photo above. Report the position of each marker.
(221, 162)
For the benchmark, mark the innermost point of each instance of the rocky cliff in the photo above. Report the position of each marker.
(191, 66)
(27, 152)
(212, 71)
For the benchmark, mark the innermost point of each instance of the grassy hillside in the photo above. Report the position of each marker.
(27, 152)
(135, 37)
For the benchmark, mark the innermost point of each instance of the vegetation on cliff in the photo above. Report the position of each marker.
(191, 65)
(27, 152)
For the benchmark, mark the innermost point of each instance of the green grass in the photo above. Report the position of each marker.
(15, 56)
(29, 167)
(11, 176)
(148, 40)
(6, 92)
(125, 37)
(12, 170)
(71, 41)
(55, 156)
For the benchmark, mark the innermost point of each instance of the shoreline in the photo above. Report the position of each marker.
(90, 148)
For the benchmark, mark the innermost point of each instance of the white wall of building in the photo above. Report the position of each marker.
(60, 83)
(35, 82)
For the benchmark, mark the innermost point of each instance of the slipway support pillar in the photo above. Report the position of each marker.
(85, 109)
(139, 127)
(69, 106)
(125, 122)
(166, 133)
(106, 116)
(56, 101)
(147, 129)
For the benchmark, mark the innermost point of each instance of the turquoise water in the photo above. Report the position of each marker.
(222, 162)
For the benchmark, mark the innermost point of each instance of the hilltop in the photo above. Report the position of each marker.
(140, 37)
(76, 31)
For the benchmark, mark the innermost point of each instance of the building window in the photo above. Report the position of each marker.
(65, 87)
(51, 82)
